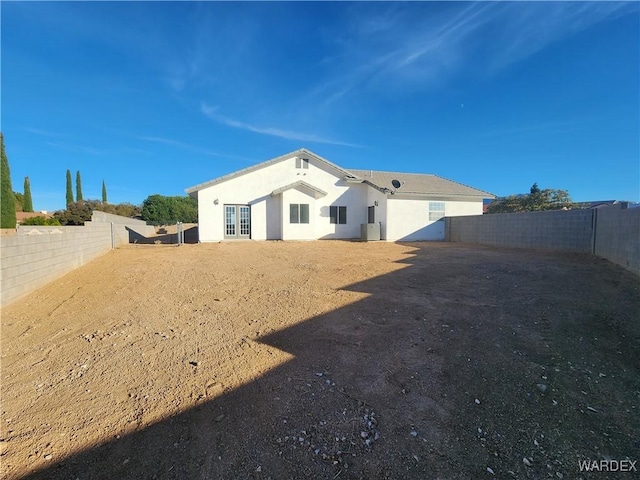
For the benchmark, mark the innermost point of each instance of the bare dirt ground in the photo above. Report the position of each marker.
(330, 360)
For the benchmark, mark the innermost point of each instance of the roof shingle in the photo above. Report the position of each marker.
(418, 183)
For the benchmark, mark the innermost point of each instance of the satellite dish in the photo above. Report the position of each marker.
(396, 183)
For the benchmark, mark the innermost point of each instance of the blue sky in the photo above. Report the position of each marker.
(158, 97)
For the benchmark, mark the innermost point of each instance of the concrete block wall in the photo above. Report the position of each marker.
(122, 226)
(609, 232)
(617, 236)
(38, 255)
(29, 261)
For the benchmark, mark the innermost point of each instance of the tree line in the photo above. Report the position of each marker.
(536, 200)
(155, 209)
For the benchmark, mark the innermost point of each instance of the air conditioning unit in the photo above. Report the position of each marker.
(369, 232)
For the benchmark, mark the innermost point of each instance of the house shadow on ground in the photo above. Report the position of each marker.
(433, 374)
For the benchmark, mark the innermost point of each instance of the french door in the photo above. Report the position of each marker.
(237, 221)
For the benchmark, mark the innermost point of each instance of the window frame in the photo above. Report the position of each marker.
(338, 214)
(436, 213)
(302, 163)
(301, 215)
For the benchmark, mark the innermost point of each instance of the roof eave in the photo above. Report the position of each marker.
(264, 164)
(439, 195)
(300, 185)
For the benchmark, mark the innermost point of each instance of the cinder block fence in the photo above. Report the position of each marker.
(609, 232)
(37, 255)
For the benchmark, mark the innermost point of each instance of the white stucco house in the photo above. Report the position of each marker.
(302, 196)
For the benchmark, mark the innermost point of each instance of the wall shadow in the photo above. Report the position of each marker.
(434, 232)
(190, 236)
(380, 388)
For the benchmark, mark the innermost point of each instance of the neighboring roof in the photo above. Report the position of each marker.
(300, 152)
(596, 204)
(417, 184)
(300, 185)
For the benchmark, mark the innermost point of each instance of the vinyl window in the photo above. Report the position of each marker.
(436, 211)
(338, 215)
(302, 163)
(299, 213)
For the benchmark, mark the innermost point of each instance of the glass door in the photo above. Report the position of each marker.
(245, 221)
(237, 221)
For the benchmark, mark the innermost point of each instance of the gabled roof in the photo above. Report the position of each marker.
(302, 152)
(410, 183)
(301, 185)
(417, 184)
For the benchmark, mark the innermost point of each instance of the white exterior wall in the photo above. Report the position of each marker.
(352, 196)
(460, 209)
(270, 214)
(374, 195)
(408, 219)
(298, 231)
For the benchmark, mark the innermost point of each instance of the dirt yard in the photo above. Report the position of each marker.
(328, 360)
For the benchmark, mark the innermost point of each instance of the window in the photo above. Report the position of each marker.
(299, 213)
(436, 211)
(338, 215)
(302, 163)
(371, 214)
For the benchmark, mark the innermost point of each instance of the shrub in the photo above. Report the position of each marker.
(40, 220)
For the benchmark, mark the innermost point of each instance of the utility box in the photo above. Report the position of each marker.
(369, 231)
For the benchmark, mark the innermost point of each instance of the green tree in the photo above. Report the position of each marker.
(123, 209)
(7, 200)
(69, 188)
(77, 212)
(27, 205)
(78, 187)
(19, 199)
(161, 210)
(536, 200)
(128, 210)
(104, 192)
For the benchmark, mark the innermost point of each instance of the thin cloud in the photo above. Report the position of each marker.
(211, 112)
(43, 133)
(188, 147)
(78, 148)
(526, 28)
(407, 48)
(420, 46)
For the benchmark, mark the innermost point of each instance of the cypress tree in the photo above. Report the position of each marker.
(27, 206)
(69, 188)
(104, 192)
(78, 187)
(7, 200)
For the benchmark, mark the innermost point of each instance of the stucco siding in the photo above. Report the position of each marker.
(348, 195)
(458, 209)
(270, 214)
(272, 187)
(408, 220)
(373, 196)
(274, 216)
(298, 231)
